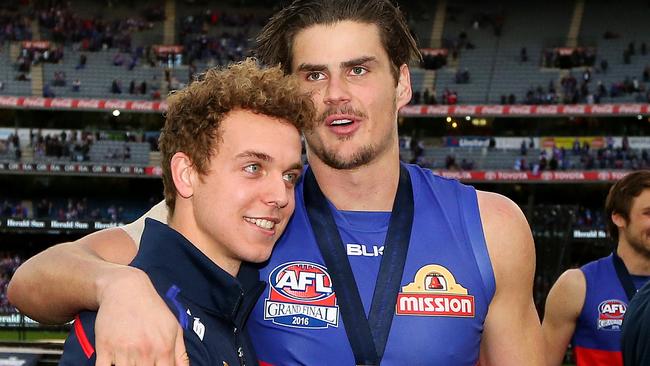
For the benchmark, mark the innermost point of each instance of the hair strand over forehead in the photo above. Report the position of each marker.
(274, 44)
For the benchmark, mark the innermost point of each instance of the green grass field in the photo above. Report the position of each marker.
(31, 335)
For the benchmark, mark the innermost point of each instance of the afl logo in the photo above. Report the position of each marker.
(610, 314)
(613, 309)
(301, 296)
(302, 281)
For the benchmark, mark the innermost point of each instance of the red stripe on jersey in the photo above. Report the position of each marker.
(597, 357)
(83, 339)
(262, 363)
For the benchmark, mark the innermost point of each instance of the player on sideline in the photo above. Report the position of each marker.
(586, 306)
(454, 265)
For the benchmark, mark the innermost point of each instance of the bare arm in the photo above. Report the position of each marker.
(563, 306)
(56, 284)
(512, 333)
(133, 326)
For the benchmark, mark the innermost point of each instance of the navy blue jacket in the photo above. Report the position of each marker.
(636, 330)
(211, 306)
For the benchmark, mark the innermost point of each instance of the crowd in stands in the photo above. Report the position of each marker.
(73, 147)
(559, 221)
(567, 58)
(581, 156)
(448, 97)
(94, 34)
(9, 262)
(10, 148)
(231, 44)
(586, 158)
(434, 61)
(13, 25)
(65, 209)
(583, 90)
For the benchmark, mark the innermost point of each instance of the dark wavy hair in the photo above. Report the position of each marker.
(621, 195)
(275, 41)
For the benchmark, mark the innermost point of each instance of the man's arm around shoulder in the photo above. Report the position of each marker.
(512, 333)
(56, 284)
(563, 306)
(133, 326)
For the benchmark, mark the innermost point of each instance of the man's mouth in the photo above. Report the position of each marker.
(262, 223)
(341, 122)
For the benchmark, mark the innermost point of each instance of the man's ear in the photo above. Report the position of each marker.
(182, 172)
(619, 220)
(404, 91)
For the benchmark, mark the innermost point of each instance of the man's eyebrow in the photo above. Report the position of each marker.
(297, 166)
(311, 67)
(358, 61)
(345, 64)
(265, 157)
(254, 154)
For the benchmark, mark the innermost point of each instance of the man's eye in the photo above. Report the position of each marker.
(252, 168)
(290, 177)
(358, 70)
(315, 76)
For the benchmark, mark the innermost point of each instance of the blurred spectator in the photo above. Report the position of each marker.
(47, 91)
(462, 76)
(523, 55)
(59, 78)
(116, 87)
(82, 62)
(450, 163)
(132, 87)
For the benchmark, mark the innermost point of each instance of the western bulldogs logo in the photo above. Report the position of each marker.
(435, 292)
(301, 296)
(610, 314)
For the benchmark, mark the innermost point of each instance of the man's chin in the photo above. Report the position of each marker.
(346, 160)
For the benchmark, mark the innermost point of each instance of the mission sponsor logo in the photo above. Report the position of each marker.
(610, 314)
(301, 296)
(435, 292)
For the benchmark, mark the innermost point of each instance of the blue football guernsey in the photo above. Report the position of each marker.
(446, 287)
(597, 337)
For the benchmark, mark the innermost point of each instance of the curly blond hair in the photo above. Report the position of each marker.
(194, 114)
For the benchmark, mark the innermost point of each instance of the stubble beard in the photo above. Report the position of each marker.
(638, 246)
(363, 156)
(334, 160)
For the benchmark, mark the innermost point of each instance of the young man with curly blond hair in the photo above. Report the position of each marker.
(231, 154)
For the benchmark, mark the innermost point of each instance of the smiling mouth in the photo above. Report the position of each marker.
(262, 223)
(341, 122)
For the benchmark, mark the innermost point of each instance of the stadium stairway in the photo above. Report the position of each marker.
(169, 28)
(576, 21)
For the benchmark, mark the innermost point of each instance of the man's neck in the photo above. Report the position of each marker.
(371, 187)
(635, 263)
(183, 221)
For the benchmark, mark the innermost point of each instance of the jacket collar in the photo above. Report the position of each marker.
(165, 251)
